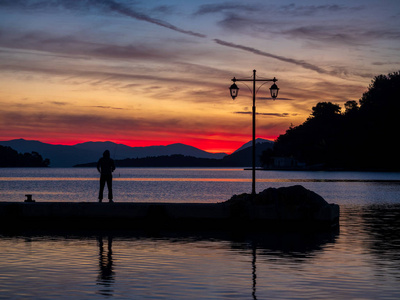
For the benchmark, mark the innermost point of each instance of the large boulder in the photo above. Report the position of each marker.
(294, 203)
(292, 195)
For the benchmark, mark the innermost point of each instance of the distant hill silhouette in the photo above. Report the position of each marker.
(59, 155)
(241, 158)
(84, 153)
(120, 151)
(258, 142)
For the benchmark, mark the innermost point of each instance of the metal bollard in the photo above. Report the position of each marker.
(29, 198)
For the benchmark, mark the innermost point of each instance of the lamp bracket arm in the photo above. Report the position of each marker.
(248, 88)
(260, 87)
(261, 79)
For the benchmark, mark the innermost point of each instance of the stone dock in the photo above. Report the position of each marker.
(273, 209)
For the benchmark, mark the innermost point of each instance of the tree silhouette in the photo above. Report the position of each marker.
(11, 158)
(364, 136)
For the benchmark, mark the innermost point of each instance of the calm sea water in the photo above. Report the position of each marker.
(359, 261)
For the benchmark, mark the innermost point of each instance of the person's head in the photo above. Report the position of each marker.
(106, 154)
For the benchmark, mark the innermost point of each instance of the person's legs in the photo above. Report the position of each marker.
(102, 184)
(109, 186)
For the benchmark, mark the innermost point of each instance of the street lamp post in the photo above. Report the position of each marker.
(234, 90)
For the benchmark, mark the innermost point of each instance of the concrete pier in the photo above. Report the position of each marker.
(273, 209)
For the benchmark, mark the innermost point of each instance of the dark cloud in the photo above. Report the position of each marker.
(248, 23)
(280, 115)
(99, 123)
(71, 121)
(279, 98)
(159, 85)
(165, 9)
(290, 9)
(70, 46)
(383, 63)
(252, 18)
(41, 5)
(319, 23)
(224, 7)
(322, 34)
(58, 103)
(107, 107)
(312, 10)
(340, 34)
(75, 47)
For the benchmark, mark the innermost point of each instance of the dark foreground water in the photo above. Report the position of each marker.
(359, 261)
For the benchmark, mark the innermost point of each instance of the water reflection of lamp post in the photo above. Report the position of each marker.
(234, 90)
(254, 267)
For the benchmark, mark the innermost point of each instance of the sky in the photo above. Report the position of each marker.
(155, 72)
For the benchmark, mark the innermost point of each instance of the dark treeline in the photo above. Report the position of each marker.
(363, 137)
(240, 158)
(176, 160)
(10, 158)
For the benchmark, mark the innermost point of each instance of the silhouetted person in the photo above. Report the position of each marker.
(106, 166)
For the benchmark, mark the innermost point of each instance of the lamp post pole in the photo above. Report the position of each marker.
(234, 90)
(253, 158)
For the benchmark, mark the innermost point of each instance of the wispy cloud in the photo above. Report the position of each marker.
(104, 5)
(325, 24)
(224, 7)
(99, 77)
(73, 47)
(312, 10)
(339, 35)
(127, 11)
(107, 107)
(58, 103)
(340, 72)
(290, 9)
(274, 56)
(280, 115)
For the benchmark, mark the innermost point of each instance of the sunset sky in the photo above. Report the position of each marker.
(153, 72)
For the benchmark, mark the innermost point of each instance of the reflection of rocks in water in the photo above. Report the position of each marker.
(106, 273)
(382, 224)
(296, 245)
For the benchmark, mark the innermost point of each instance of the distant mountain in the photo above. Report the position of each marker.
(258, 141)
(68, 156)
(243, 156)
(59, 155)
(120, 151)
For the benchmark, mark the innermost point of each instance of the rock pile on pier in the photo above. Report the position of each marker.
(294, 203)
